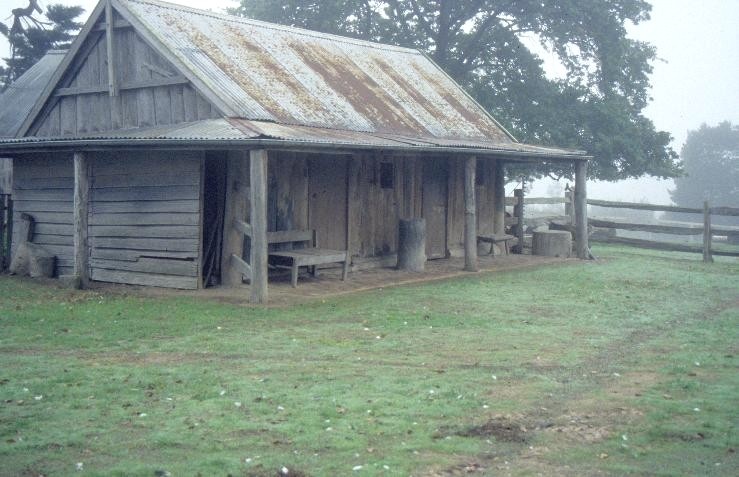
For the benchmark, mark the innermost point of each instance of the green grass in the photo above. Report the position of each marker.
(564, 370)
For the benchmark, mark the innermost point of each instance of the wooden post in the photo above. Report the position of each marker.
(707, 235)
(3, 244)
(109, 32)
(237, 190)
(470, 215)
(9, 230)
(258, 187)
(570, 206)
(81, 205)
(499, 203)
(518, 214)
(581, 210)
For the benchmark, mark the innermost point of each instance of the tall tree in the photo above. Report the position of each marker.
(490, 48)
(711, 160)
(31, 37)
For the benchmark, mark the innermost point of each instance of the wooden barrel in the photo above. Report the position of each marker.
(552, 243)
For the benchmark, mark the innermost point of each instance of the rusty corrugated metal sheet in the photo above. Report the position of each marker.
(16, 102)
(291, 76)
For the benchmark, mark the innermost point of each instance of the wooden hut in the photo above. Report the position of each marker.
(170, 142)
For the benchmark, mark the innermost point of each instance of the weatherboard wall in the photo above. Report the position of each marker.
(144, 223)
(43, 189)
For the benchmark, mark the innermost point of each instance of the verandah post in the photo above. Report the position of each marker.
(81, 205)
(499, 203)
(258, 188)
(518, 214)
(581, 210)
(470, 215)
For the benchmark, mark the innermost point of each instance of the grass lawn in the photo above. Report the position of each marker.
(629, 365)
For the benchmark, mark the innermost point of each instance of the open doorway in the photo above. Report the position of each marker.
(214, 202)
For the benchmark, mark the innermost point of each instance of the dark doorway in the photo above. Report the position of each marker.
(214, 200)
(434, 205)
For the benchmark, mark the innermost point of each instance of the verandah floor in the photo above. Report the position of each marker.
(329, 284)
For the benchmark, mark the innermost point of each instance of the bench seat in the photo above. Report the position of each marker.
(309, 256)
(494, 239)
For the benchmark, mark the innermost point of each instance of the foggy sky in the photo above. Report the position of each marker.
(695, 81)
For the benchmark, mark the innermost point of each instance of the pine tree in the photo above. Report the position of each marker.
(31, 37)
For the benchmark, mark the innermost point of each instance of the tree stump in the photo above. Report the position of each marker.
(552, 243)
(33, 260)
(412, 245)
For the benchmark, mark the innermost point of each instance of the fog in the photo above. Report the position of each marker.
(694, 82)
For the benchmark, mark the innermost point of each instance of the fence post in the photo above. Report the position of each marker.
(3, 247)
(518, 213)
(9, 229)
(707, 257)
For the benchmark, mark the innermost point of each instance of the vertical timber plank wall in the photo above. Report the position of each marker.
(43, 187)
(136, 62)
(236, 208)
(144, 225)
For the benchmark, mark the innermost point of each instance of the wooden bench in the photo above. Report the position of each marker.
(307, 256)
(495, 239)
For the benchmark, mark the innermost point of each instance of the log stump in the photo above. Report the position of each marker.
(552, 243)
(32, 260)
(412, 245)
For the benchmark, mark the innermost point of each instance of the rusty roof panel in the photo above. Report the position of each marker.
(292, 76)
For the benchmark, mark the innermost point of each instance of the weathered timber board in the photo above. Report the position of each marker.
(160, 219)
(161, 266)
(135, 255)
(146, 279)
(146, 207)
(150, 231)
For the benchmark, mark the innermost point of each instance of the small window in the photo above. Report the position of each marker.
(387, 175)
(479, 173)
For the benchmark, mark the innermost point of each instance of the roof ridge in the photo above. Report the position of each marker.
(275, 26)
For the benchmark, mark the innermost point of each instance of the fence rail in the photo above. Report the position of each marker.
(706, 229)
(6, 229)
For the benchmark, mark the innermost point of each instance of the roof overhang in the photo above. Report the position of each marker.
(243, 134)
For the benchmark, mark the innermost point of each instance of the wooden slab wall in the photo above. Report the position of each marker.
(43, 188)
(144, 224)
(297, 182)
(93, 110)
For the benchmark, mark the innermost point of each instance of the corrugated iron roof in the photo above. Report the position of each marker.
(243, 132)
(292, 76)
(16, 101)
